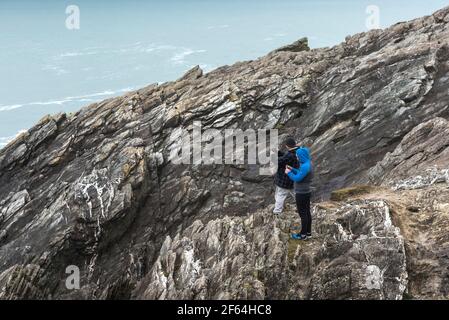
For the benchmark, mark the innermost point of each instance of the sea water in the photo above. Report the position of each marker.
(48, 67)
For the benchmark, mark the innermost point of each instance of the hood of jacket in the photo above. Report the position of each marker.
(303, 155)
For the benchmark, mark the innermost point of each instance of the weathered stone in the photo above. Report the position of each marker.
(98, 188)
(297, 46)
(344, 194)
(355, 245)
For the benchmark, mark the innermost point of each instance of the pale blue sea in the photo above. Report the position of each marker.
(123, 45)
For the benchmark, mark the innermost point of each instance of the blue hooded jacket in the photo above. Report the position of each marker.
(302, 176)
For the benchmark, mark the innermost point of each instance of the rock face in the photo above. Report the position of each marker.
(421, 212)
(297, 46)
(357, 253)
(98, 190)
(425, 147)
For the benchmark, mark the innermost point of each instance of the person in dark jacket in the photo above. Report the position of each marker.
(303, 179)
(284, 185)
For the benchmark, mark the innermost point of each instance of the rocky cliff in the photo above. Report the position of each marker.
(97, 190)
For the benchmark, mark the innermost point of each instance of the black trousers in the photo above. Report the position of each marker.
(303, 206)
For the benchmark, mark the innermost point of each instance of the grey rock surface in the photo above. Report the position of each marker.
(423, 154)
(356, 253)
(97, 189)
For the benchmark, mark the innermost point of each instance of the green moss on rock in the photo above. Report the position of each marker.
(343, 194)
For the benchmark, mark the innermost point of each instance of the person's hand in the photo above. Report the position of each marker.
(288, 169)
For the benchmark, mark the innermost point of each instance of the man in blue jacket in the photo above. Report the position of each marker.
(284, 186)
(303, 179)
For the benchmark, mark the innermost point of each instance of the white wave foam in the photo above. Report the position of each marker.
(57, 69)
(10, 107)
(93, 95)
(179, 58)
(60, 102)
(137, 47)
(5, 140)
(77, 54)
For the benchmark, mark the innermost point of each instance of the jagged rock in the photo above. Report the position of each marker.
(422, 217)
(22, 283)
(193, 74)
(429, 177)
(425, 146)
(243, 258)
(98, 188)
(297, 46)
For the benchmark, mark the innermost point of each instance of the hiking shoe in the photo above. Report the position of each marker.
(299, 236)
